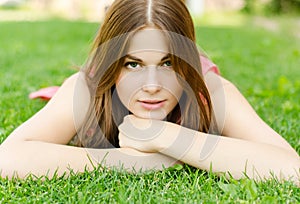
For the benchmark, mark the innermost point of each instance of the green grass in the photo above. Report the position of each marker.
(264, 65)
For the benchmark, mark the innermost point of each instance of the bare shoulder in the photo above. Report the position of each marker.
(215, 82)
(218, 88)
(236, 118)
(56, 121)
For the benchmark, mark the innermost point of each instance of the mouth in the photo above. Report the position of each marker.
(152, 104)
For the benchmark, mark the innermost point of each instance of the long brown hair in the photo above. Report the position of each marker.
(107, 58)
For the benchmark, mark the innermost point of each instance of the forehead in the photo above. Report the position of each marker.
(148, 39)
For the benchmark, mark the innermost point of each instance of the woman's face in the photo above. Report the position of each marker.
(148, 86)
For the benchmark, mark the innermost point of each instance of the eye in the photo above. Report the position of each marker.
(167, 64)
(132, 65)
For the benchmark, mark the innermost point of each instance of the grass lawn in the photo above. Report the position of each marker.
(264, 65)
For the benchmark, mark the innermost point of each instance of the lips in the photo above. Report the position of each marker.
(152, 104)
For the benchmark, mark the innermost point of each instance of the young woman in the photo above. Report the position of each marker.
(145, 100)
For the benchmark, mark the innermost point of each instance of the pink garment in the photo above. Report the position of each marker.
(44, 93)
(48, 92)
(208, 65)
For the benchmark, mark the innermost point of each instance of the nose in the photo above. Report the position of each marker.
(152, 84)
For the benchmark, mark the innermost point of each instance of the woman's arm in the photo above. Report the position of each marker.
(210, 152)
(45, 159)
(248, 146)
(38, 146)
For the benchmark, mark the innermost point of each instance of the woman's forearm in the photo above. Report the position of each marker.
(236, 156)
(39, 158)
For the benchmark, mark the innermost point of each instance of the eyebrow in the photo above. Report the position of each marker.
(139, 60)
(165, 57)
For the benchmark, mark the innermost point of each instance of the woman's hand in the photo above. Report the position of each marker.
(145, 135)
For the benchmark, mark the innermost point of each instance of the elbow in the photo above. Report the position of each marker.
(5, 165)
(283, 170)
(291, 170)
(288, 166)
(8, 164)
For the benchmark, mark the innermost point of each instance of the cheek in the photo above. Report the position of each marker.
(171, 84)
(127, 85)
(177, 89)
(122, 92)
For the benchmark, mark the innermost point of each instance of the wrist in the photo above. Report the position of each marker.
(178, 140)
(167, 138)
